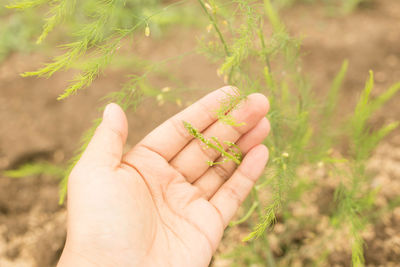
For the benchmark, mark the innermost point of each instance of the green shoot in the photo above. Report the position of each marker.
(32, 169)
(246, 216)
(232, 154)
(228, 104)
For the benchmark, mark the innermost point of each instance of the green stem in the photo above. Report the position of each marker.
(264, 48)
(208, 142)
(214, 23)
(223, 152)
(246, 216)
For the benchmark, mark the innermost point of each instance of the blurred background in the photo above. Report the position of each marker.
(36, 127)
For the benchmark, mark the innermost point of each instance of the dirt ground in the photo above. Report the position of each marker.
(35, 126)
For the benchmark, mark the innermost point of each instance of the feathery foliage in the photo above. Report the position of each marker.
(232, 154)
(294, 142)
(356, 196)
(97, 37)
(32, 169)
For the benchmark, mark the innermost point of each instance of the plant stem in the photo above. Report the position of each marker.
(246, 216)
(223, 152)
(208, 142)
(214, 23)
(264, 48)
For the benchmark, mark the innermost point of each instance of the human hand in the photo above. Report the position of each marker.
(161, 204)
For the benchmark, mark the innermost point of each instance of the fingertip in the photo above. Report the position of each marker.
(261, 101)
(111, 110)
(260, 153)
(115, 118)
(106, 145)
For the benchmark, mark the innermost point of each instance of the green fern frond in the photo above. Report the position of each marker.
(230, 102)
(355, 197)
(31, 169)
(378, 102)
(60, 62)
(364, 140)
(332, 98)
(268, 219)
(58, 13)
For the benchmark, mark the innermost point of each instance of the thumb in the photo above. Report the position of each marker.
(106, 146)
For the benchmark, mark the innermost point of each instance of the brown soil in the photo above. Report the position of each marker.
(35, 126)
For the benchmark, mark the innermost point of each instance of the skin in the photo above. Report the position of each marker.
(161, 204)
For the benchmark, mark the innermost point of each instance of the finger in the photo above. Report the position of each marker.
(232, 193)
(171, 136)
(107, 143)
(192, 161)
(215, 176)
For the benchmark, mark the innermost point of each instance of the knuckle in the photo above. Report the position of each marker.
(179, 128)
(245, 176)
(222, 172)
(209, 153)
(233, 193)
(205, 110)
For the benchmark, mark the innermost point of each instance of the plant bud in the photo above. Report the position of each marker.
(147, 31)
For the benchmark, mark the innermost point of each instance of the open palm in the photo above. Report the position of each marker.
(161, 204)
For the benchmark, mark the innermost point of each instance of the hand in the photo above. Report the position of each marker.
(161, 204)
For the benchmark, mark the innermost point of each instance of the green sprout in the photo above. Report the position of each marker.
(229, 103)
(231, 154)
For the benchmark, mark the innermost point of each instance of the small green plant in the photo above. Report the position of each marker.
(228, 104)
(294, 141)
(232, 154)
(356, 195)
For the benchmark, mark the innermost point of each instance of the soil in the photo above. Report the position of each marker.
(35, 126)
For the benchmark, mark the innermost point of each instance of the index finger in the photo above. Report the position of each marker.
(171, 136)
